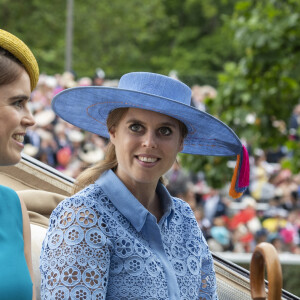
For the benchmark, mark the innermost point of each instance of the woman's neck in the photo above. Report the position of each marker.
(147, 196)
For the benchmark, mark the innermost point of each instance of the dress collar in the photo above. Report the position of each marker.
(128, 205)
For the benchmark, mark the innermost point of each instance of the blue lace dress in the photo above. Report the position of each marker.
(103, 244)
(15, 280)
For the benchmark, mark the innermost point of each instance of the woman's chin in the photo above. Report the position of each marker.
(10, 160)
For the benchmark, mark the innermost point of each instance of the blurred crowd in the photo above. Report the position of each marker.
(269, 211)
(56, 142)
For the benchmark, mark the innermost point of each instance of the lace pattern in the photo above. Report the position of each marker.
(91, 251)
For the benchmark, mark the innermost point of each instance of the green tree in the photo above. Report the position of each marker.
(194, 41)
(41, 24)
(264, 82)
(123, 36)
(257, 92)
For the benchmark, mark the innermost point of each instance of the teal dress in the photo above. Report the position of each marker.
(15, 280)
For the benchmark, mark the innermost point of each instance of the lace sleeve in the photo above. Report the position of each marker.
(75, 255)
(208, 276)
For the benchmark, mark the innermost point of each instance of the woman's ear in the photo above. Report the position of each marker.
(112, 133)
(181, 145)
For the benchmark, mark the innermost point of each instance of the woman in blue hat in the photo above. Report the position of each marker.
(18, 77)
(122, 235)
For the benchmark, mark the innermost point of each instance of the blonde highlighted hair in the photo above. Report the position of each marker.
(90, 175)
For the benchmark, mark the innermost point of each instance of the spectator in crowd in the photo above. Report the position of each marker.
(246, 223)
(275, 222)
(214, 205)
(261, 236)
(176, 175)
(260, 187)
(294, 123)
(99, 77)
(276, 240)
(290, 232)
(200, 94)
(183, 189)
(288, 187)
(220, 234)
(85, 81)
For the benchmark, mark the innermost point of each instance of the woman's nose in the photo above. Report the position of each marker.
(28, 119)
(150, 140)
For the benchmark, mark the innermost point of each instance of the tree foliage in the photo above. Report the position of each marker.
(257, 92)
(123, 36)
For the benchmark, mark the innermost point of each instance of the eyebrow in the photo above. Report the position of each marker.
(19, 97)
(170, 124)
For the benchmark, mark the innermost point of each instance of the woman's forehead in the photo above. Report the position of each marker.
(149, 115)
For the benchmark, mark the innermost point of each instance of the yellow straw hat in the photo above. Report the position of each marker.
(18, 48)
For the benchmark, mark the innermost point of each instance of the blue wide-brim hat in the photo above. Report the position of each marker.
(88, 108)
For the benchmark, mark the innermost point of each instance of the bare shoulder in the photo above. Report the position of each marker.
(25, 217)
(23, 205)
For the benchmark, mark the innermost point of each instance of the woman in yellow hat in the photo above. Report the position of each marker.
(18, 77)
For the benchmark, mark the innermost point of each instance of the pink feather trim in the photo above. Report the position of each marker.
(244, 170)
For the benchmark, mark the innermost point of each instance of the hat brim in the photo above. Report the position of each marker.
(89, 107)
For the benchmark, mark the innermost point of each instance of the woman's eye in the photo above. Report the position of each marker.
(165, 131)
(18, 103)
(135, 127)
